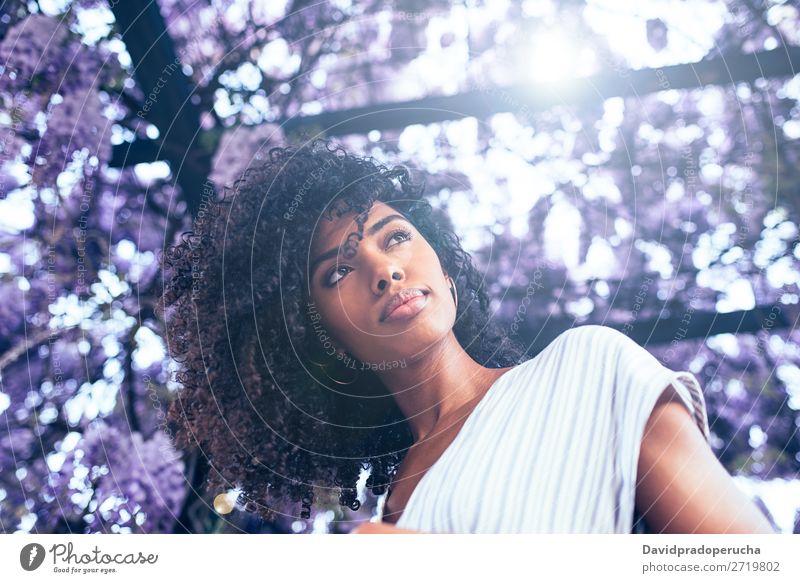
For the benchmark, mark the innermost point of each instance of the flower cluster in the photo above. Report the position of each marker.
(47, 70)
(134, 483)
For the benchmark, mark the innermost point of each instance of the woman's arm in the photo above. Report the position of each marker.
(382, 528)
(681, 486)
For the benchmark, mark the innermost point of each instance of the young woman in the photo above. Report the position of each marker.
(328, 322)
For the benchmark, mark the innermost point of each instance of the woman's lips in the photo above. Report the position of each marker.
(409, 309)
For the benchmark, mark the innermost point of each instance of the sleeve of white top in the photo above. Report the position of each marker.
(639, 380)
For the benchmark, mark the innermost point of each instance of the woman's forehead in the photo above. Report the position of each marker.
(330, 231)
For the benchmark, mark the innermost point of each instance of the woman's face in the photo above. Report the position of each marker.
(351, 292)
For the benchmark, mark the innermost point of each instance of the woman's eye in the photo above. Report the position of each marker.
(404, 233)
(334, 272)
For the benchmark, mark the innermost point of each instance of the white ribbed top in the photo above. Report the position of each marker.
(553, 446)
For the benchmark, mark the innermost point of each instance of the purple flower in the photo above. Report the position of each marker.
(130, 482)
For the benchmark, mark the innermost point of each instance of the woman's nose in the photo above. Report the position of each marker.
(384, 276)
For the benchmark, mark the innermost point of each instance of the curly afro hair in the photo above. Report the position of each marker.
(252, 396)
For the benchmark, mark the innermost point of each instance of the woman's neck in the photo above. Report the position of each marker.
(438, 384)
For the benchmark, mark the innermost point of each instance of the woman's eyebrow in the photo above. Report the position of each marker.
(370, 232)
